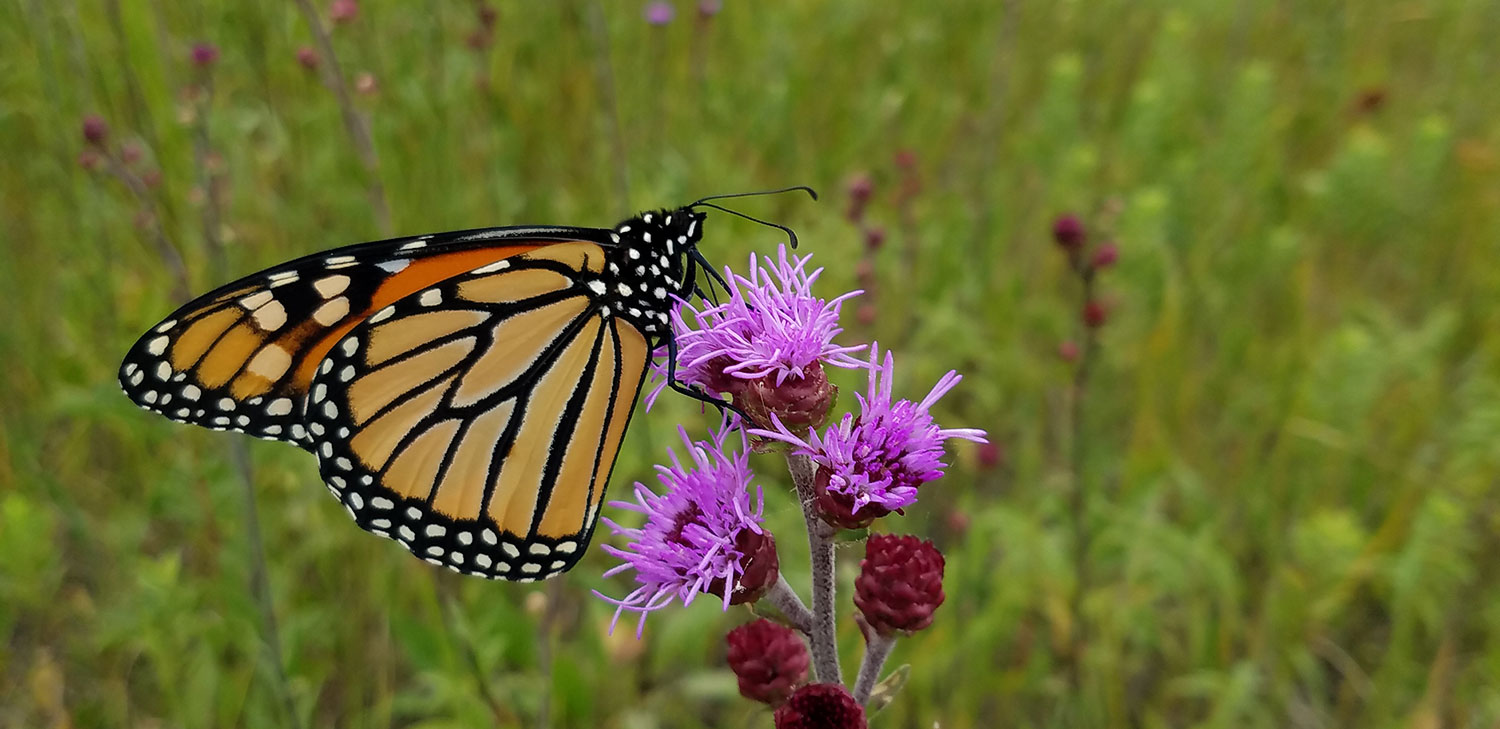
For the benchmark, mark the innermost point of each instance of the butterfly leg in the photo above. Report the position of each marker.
(693, 392)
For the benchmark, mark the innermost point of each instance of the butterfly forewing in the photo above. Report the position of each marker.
(241, 358)
(476, 422)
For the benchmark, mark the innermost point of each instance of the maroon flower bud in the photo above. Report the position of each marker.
(307, 57)
(861, 188)
(900, 583)
(958, 523)
(95, 130)
(151, 178)
(709, 8)
(1068, 351)
(130, 153)
(1095, 313)
(874, 238)
(1106, 255)
(1068, 232)
(90, 159)
(761, 568)
(487, 16)
(343, 11)
(865, 272)
(800, 403)
(838, 508)
(821, 706)
(204, 54)
(906, 159)
(867, 313)
(990, 455)
(769, 660)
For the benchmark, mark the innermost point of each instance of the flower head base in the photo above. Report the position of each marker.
(766, 345)
(872, 464)
(768, 658)
(700, 535)
(821, 706)
(900, 584)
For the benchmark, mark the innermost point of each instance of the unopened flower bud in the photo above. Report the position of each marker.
(95, 130)
(307, 57)
(874, 238)
(821, 706)
(343, 11)
(204, 54)
(900, 583)
(1095, 313)
(768, 658)
(1067, 351)
(1068, 232)
(1106, 255)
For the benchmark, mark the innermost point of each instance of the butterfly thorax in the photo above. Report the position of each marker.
(649, 266)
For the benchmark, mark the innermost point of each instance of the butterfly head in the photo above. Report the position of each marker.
(653, 261)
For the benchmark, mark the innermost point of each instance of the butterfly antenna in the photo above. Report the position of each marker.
(803, 188)
(791, 236)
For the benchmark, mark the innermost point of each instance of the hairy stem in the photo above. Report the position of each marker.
(877, 649)
(354, 122)
(824, 633)
(791, 606)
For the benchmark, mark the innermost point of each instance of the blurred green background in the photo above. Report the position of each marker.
(1289, 433)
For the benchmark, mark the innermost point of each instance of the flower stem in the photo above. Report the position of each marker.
(877, 649)
(820, 544)
(791, 606)
(355, 123)
(1079, 497)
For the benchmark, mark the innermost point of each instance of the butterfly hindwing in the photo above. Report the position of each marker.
(241, 357)
(476, 422)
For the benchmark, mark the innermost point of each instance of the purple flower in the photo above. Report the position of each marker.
(700, 534)
(766, 344)
(204, 54)
(872, 464)
(659, 13)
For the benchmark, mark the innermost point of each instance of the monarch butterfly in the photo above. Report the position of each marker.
(465, 393)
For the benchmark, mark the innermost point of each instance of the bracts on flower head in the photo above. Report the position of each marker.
(872, 464)
(821, 706)
(900, 584)
(765, 347)
(700, 534)
(768, 658)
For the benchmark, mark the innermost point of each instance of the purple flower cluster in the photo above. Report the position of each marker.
(700, 534)
(764, 350)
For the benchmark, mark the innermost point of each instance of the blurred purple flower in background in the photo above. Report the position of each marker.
(660, 13)
(204, 54)
(700, 534)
